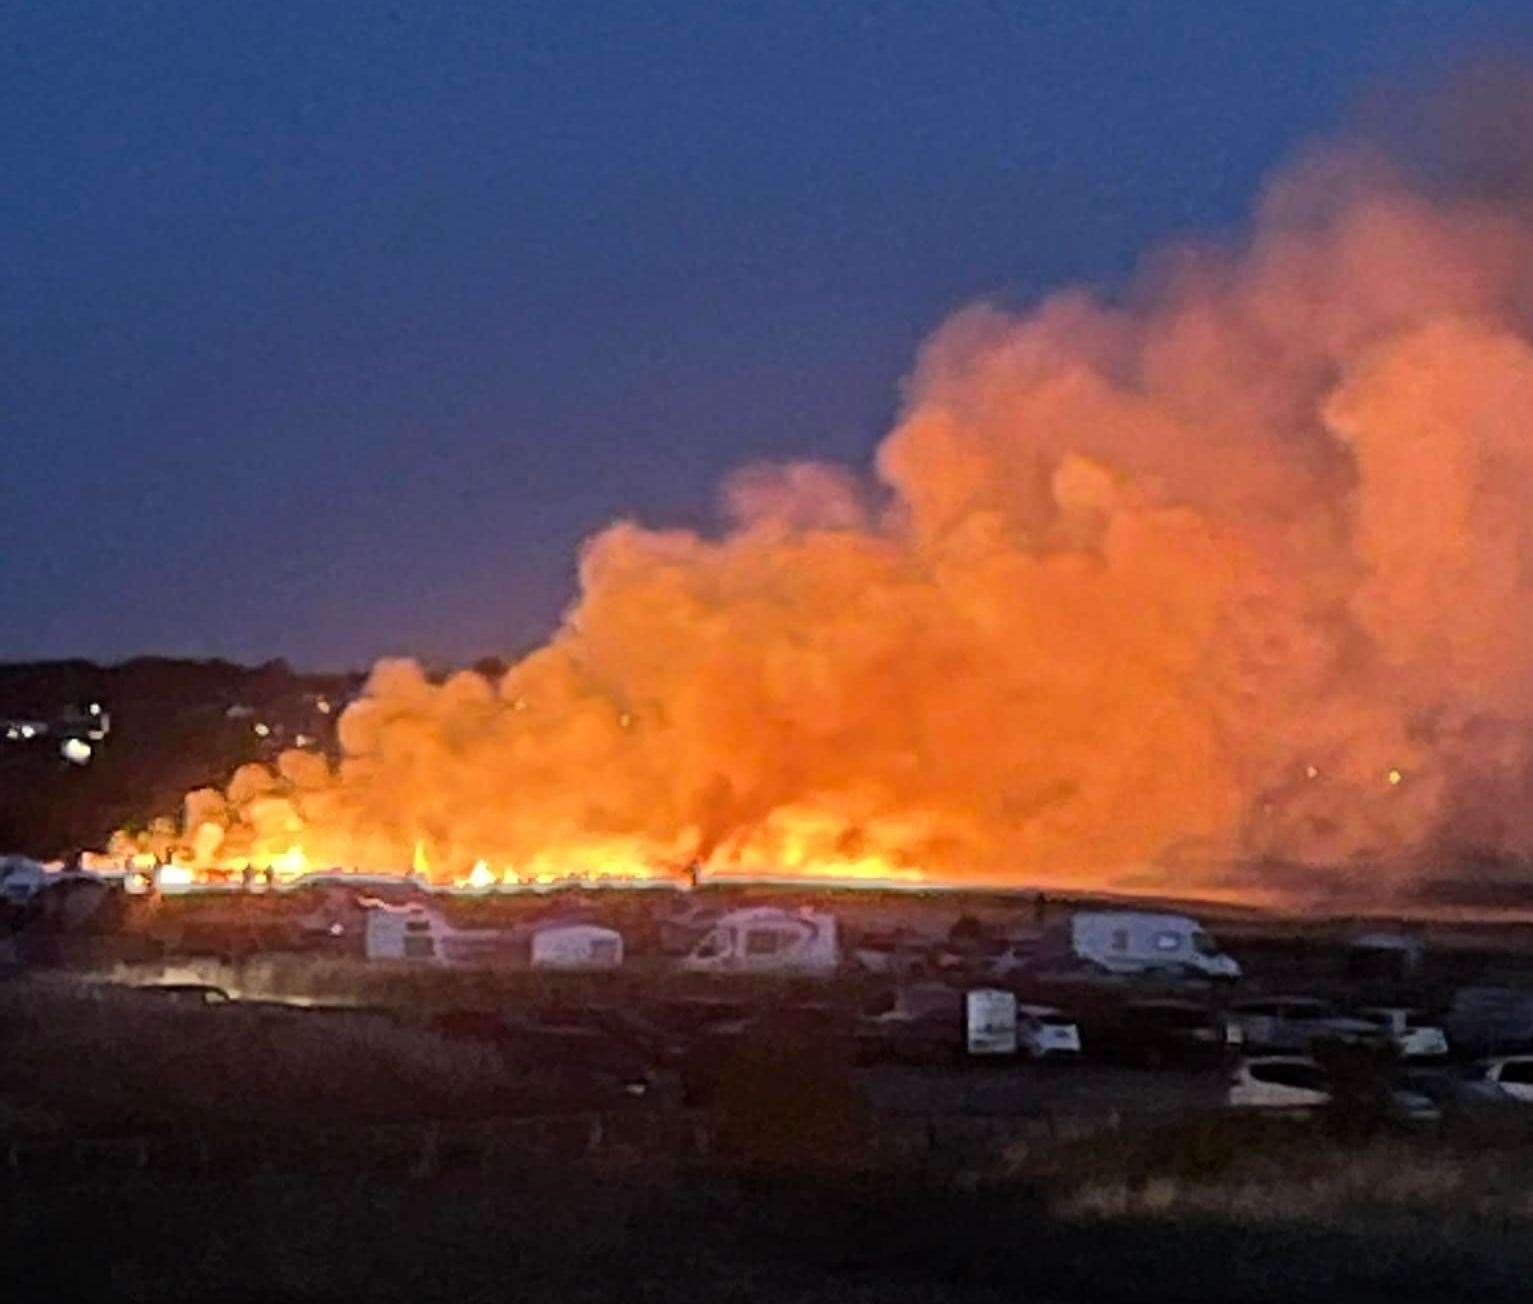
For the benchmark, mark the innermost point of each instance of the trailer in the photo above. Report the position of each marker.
(577, 947)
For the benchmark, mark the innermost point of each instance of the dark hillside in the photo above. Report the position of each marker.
(162, 726)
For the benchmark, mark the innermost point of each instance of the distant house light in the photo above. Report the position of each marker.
(302, 740)
(94, 708)
(76, 750)
(262, 729)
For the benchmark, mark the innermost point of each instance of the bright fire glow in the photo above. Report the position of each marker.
(290, 864)
(1121, 573)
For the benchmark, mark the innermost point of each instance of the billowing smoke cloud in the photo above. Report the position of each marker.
(1220, 582)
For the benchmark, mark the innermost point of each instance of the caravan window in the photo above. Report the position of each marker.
(764, 941)
(1168, 941)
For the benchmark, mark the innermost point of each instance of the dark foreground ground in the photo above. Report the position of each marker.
(576, 1236)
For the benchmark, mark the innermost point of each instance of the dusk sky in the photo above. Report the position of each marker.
(329, 330)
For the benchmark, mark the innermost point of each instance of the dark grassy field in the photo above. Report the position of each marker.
(82, 1060)
(1285, 1222)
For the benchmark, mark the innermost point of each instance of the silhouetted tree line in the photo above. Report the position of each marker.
(170, 732)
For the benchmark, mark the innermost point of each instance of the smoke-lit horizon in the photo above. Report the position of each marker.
(1228, 572)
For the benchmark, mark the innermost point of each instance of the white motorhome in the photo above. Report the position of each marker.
(577, 947)
(1142, 942)
(767, 939)
(420, 935)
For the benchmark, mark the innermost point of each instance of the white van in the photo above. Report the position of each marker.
(767, 939)
(1140, 942)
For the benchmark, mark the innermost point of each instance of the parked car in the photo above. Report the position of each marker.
(896, 953)
(1486, 1021)
(1296, 1082)
(1044, 1032)
(1457, 1091)
(187, 993)
(1294, 1023)
(1278, 1082)
(1512, 1075)
(1413, 1037)
(923, 1024)
(1156, 1032)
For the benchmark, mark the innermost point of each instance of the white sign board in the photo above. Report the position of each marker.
(991, 1022)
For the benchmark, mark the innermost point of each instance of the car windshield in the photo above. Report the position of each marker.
(1204, 944)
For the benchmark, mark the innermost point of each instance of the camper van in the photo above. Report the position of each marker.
(418, 934)
(767, 939)
(1142, 942)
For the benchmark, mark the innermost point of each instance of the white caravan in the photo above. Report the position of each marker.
(766, 939)
(1142, 942)
(577, 947)
(418, 934)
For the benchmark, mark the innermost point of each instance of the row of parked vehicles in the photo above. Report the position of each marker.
(1154, 1031)
(1302, 1083)
(607, 1053)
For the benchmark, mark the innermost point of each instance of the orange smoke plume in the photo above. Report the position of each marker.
(1229, 574)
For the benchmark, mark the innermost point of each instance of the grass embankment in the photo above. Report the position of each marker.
(82, 1060)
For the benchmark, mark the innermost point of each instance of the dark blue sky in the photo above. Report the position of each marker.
(328, 329)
